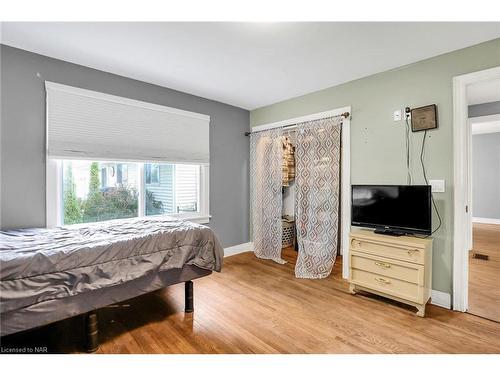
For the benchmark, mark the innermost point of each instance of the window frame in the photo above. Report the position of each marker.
(54, 194)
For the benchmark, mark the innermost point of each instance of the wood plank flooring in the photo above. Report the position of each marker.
(484, 275)
(258, 306)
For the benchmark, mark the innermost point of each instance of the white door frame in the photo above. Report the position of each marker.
(345, 172)
(462, 183)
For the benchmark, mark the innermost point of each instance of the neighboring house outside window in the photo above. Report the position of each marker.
(160, 188)
(91, 193)
(177, 187)
(95, 191)
(186, 188)
(121, 174)
(152, 173)
(104, 177)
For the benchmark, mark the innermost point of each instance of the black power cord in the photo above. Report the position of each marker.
(426, 181)
(408, 177)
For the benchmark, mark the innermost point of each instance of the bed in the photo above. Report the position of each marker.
(48, 275)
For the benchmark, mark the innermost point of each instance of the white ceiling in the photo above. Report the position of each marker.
(484, 92)
(248, 65)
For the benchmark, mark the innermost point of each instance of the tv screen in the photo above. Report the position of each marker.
(392, 208)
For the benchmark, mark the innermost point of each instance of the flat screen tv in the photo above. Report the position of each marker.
(392, 209)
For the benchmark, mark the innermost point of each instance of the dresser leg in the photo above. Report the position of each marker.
(421, 311)
(352, 289)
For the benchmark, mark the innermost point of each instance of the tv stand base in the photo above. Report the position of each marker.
(389, 232)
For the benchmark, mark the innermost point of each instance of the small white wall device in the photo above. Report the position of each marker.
(437, 186)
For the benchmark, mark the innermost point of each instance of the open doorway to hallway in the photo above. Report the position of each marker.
(484, 245)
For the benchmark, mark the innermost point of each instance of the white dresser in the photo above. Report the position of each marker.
(399, 268)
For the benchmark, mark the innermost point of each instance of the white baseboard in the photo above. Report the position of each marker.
(485, 220)
(441, 299)
(237, 249)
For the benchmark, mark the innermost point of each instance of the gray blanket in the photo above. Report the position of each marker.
(38, 265)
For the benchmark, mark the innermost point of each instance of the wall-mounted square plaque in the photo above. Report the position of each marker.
(424, 118)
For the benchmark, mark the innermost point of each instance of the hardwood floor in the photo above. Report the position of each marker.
(258, 306)
(484, 275)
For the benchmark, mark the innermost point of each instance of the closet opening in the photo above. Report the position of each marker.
(301, 194)
(289, 235)
(289, 242)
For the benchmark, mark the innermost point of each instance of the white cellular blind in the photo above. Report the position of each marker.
(85, 124)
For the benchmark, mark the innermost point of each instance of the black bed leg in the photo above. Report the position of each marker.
(92, 331)
(189, 306)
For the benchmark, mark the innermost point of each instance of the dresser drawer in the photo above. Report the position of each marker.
(405, 253)
(388, 285)
(406, 271)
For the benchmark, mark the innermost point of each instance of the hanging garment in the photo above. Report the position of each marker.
(317, 181)
(266, 155)
(288, 169)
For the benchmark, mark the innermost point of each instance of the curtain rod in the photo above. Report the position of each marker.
(345, 115)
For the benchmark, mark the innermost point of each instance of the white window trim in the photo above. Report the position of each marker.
(141, 206)
(54, 213)
(53, 193)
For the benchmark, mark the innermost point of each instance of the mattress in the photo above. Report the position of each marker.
(42, 265)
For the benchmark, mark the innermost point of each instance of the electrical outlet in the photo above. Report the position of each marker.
(397, 115)
(407, 113)
(437, 186)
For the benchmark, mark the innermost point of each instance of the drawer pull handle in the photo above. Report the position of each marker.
(412, 251)
(382, 280)
(383, 265)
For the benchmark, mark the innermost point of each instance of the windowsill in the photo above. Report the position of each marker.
(195, 218)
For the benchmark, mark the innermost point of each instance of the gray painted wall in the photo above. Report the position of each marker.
(484, 109)
(486, 175)
(23, 139)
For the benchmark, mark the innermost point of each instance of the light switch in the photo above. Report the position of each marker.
(397, 115)
(437, 186)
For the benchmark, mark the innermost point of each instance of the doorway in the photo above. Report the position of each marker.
(476, 276)
(484, 254)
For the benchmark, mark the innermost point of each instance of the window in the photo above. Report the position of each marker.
(152, 172)
(93, 191)
(111, 157)
(177, 190)
(90, 196)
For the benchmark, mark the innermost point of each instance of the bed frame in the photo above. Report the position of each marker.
(92, 327)
(91, 321)
(88, 303)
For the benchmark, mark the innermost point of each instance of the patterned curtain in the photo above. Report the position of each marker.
(266, 154)
(317, 180)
